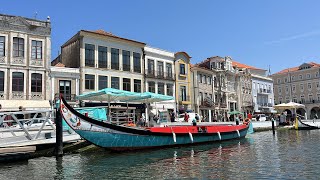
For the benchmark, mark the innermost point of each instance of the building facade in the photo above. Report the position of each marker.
(299, 84)
(183, 82)
(203, 92)
(25, 56)
(160, 79)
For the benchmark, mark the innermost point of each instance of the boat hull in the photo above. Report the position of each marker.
(306, 125)
(116, 137)
(118, 141)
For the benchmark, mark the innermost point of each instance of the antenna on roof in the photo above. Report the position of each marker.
(269, 71)
(35, 15)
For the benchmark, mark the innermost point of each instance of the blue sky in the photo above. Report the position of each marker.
(281, 34)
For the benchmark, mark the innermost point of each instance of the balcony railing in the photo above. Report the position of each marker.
(126, 67)
(68, 97)
(267, 91)
(185, 98)
(265, 104)
(89, 63)
(103, 64)
(160, 75)
(206, 104)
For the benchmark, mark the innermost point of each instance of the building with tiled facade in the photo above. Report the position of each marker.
(25, 56)
(299, 84)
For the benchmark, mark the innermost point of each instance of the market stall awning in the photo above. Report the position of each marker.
(109, 95)
(235, 112)
(288, 105)
(149, 97)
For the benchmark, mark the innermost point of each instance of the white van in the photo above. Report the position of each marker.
(261, 117)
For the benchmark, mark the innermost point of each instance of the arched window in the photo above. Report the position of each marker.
(17, 81)
(36, 82)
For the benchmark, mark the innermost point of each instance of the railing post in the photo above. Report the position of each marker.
(59, 134)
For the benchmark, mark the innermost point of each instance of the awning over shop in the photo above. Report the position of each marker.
(26, 104)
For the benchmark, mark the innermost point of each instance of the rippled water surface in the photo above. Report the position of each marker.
(289, 154)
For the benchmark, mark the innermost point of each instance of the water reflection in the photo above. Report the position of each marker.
(288, 154)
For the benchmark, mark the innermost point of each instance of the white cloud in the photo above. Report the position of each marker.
(294, 37)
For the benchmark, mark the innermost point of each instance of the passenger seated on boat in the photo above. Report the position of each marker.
(194, 122)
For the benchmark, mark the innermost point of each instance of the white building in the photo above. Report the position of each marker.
(25, 56)
(160, 78)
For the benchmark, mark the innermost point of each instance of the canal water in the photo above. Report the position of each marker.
(289, 154)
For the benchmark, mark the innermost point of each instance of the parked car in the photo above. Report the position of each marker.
(260, 117)
(191, 117)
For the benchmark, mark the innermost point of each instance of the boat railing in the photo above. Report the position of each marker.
(25, 121)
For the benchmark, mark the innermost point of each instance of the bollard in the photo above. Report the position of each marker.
(273, 128)
(59, 135)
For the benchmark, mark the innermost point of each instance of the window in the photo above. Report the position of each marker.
(292, 78)
(161, 88)
(317, 84)
(126, 84)
(136, 62)
(126, 60)
(36, 49)
(279, 81)
(201, 97)
(309, 86)
(287, 88)
(17, 81)
(317, 73)
(103, 82)
(2, 46)
(89, 55)
(160, 69)
(115, 59)
(137, 85)
(204, 79)
(200, 78)
(183, 93)
(308, 76)
(302, 99)
(169, 70)
(152, 87)
(293, 88)
(1, 81)
(285, 80)
(280, 100)
(182, 69)
(279, 90)
(102, 56)
(169, 89)
(65, 89)
(18, 47)
(301, 87)
(254, 85)
(310, 98)
(150, 66)
(89, 82)
(115, 83)
(300, 77)
(318, 97)
(36, 82)
(294, 99)
(209, 80)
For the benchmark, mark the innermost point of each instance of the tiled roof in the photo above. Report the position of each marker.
(240, 65)
(59, 65)
(109, 34)
(292, 69)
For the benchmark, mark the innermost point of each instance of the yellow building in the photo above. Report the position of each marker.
(183, 81)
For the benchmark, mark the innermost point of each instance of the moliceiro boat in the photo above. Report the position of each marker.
(120, 137)
(306, 124)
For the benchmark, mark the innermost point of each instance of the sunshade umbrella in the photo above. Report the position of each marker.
(235, 112)
(149, 97)
(288, 105)
(109, 94)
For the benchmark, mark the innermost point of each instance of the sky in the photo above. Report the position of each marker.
(279, 34)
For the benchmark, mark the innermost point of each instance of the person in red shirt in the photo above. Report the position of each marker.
(186, 117)
(250, 116)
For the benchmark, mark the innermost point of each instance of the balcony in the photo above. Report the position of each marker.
(264, 91)
(311, 101)
(68, 97)
(265, 105)
(18, 95)
(184, 99)
(126, 67)
(206, 103)
(89, 63)
(160, 75)
(36, 96)
(151, 74)
(18, 61)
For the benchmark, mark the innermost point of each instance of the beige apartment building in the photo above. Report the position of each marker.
(299, 84)
(25, 56)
